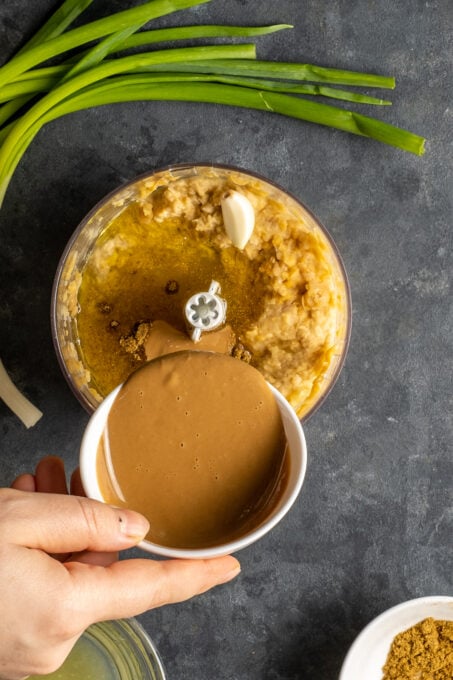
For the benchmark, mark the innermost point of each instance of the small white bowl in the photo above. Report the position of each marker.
(298, 463)
(369, 652)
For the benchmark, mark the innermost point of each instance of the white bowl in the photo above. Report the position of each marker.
(368, 653)
(298, 463)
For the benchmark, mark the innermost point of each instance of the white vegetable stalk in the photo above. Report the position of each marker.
(16, 401)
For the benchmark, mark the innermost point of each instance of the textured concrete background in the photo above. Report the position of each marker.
(373, 525)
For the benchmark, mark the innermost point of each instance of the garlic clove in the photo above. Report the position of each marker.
(238, 218)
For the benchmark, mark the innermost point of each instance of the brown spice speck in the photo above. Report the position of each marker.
(171, 287)
(105, 307)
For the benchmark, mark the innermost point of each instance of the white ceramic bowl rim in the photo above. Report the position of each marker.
(298, 452)
(382, 630)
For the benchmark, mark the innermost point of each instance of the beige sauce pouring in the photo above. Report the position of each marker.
(195, 442)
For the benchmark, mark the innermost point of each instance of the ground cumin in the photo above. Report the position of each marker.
(423, 652)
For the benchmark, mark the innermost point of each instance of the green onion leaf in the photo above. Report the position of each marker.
(17, 88)
(287, 105)
(85, 34)
(17, 136)
(110, 92)
(8, 110)
(287, 71)
(57, 24)
(145, 38)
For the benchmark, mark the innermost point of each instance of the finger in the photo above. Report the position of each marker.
(61, 524)
(76, 484)
(103, 559)
(51, 478)
(50, 475)
(25, 482)
(140, 585)
(100, 559)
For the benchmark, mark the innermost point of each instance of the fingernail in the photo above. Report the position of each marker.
(133, 525)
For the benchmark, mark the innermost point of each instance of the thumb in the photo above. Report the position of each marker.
(57, 524)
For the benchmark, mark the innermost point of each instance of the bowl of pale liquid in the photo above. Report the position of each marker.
(111, 650)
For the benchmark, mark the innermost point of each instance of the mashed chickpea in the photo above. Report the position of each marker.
(286, 293)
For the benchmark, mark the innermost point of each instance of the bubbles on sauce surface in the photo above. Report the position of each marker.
(140, 468)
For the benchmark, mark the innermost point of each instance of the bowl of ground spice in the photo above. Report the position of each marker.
(411, 641)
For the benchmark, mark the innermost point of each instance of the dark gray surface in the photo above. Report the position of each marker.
(373, 524)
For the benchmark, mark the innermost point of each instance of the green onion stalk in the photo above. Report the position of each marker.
(45, 84)
(82, 35)
(218, 74)
(110, 92)
(303, 109)
(16, 142)
(65, 15)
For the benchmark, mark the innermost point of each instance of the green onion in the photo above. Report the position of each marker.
(56, 72)
(145, 38)
(73, 8)
(222, 74)
(286, 71)
(10, 145)
(55, 26)
(304, 109)
(27, 87)
(58, 23)
(111, 92)
(85, 34)
(9, 109)
(45, 84)
(97, 53)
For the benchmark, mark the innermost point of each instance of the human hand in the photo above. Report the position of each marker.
(48, 601)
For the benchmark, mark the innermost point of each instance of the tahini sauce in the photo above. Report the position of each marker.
(196, 443)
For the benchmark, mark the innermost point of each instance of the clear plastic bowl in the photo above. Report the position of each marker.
(64, 306)
(113, 650)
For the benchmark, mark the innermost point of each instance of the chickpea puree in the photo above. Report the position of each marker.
(287, 301)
